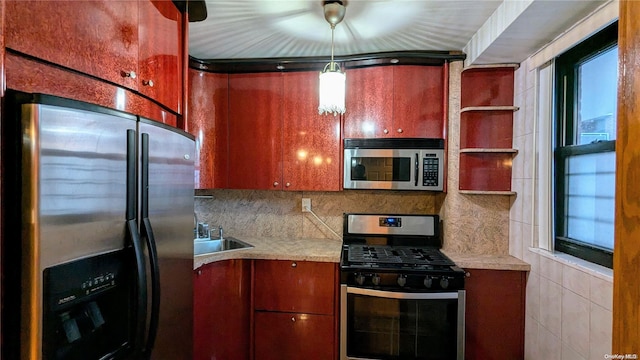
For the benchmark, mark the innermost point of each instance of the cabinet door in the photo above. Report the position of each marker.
(369, 102)
(98, 37)
(418, 101)
(494, 318)
(160, 59)
(255, 131)
(293, 336)
(295, 286)
(208, 115)
(311, 147)
(221, 310)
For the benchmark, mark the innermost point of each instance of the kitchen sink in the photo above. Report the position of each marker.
(202, 246)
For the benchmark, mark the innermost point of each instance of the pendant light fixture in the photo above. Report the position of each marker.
(332, 78)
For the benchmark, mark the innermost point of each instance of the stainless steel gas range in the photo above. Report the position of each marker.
(401, 297)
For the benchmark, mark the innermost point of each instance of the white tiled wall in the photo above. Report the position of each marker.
(569, 302)
(568, 311)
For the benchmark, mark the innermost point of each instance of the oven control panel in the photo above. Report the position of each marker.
(405, 282)
(392, 224)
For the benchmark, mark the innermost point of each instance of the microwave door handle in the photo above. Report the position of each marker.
(417, 171)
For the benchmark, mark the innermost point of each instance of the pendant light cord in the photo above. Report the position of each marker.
(332, 67)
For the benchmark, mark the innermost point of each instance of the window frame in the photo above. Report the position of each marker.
(565, 101)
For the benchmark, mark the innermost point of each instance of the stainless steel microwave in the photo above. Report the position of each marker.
(394, 164)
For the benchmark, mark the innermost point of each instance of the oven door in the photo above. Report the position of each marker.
(394, 325)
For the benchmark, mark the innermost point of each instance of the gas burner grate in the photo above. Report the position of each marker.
(382, 254)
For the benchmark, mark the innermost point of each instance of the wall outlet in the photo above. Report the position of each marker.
(306, 205)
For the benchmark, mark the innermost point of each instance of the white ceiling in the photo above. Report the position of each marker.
(249, 29)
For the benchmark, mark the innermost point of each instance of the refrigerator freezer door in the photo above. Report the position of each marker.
(171, 209)
(79, 199)
(73, 198)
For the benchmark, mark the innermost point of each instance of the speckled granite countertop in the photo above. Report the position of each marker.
(322, 250)
(489, 262)
(327, 250)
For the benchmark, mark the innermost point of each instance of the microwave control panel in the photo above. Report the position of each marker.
(430, 171)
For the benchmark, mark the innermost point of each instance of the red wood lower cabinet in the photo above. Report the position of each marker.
(295, 310)
(222, 303)
(293, 336)
(495, 313)
(294, 286)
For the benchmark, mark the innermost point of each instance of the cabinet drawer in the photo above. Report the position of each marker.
(283, 336)
(294, 286)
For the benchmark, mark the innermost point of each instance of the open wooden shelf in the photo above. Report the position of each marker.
(489, 150)
(486, 130)
(490, 108)
(490, 66)
(481, 192)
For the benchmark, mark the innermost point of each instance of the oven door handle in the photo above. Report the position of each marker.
(402, 295)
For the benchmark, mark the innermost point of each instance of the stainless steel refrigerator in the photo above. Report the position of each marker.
(97, 243)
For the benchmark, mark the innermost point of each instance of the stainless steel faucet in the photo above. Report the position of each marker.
(200, 230)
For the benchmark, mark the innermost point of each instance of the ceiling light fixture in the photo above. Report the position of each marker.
(332, 78)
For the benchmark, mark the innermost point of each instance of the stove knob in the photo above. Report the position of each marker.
(402, 280)
(376, 279)
(444, 282)
(360, 279)
(428, 282)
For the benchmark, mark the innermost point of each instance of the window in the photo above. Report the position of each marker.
(585, 132)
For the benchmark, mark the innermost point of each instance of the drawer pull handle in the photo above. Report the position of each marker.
(294, 264)
(293, 319)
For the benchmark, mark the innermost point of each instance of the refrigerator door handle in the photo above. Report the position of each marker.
(147, 233)
(131, 175)
(140, 311)
(141, 285)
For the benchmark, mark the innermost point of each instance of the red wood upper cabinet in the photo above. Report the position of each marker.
(395, 101)
(418, 101)
(208, 117)
(311, 147)
(255, 131)
(369, 102)
(98, 37)
(160, 60)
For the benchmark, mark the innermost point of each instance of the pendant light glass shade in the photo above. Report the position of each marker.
(332, 78)
(332, 92)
